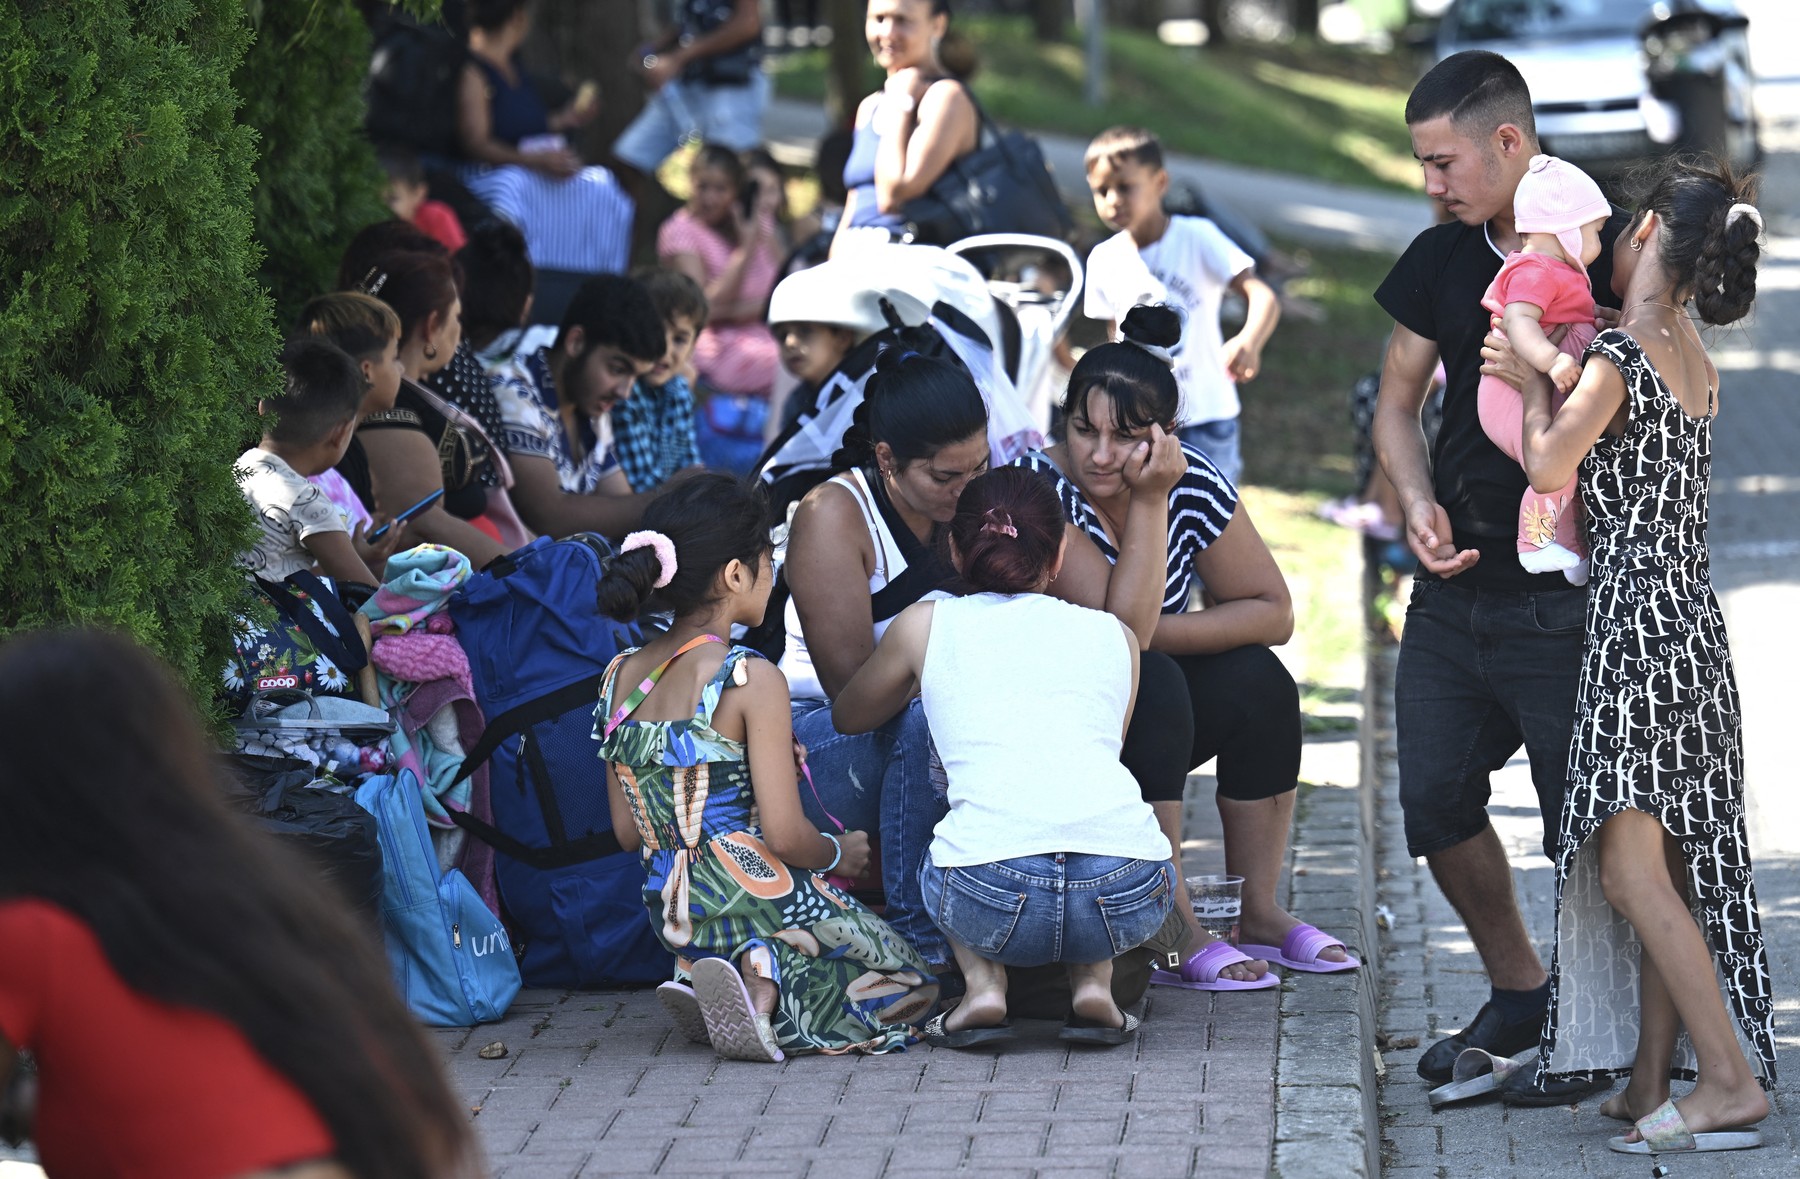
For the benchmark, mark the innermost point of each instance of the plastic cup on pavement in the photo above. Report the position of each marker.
(1218, 901)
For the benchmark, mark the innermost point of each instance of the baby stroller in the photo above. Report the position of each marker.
(997, 303)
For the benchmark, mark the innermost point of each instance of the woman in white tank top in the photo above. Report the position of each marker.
(1049, 852)
(862, 549)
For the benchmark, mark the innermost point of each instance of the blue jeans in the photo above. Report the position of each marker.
(1480, 673)
(879, 782)
(1218, 441)
(1061, 907)
(731, 116)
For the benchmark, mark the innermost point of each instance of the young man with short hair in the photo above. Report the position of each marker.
(556, 396)
(1491, 654)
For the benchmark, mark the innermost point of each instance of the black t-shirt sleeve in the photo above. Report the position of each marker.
(1408, 293)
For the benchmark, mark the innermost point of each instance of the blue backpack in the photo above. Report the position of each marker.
(538, 647)
(451, 958)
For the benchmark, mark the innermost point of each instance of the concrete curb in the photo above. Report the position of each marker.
(1327, 1090)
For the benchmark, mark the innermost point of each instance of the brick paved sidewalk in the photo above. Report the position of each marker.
(599, 1083)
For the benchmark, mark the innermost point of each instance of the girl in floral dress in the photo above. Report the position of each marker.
(702, 777)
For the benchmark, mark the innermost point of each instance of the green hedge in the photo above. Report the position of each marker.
(134, 338)
(317, 182)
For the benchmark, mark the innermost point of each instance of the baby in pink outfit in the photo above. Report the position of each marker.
(1559, 212)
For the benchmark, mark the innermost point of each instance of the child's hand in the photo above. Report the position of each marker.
(374, 554)
(855, 860)
(1243, 359)
(1564, 372)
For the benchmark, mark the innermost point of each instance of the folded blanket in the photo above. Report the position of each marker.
(419, 584)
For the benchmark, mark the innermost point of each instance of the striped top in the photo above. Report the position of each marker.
(1200, 506)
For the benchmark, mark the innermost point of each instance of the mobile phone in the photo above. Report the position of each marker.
(747, 196)
(405, 516)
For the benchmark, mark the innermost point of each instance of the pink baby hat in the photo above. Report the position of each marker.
(1554, 196)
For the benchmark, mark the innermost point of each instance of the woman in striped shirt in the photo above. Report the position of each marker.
(1245, 708)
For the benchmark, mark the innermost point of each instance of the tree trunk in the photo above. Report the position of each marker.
(1049, 19)
(1212, 12)
(575, 40)
(1305, 15)
(847, 68)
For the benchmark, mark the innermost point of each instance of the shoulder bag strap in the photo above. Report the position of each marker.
(639, 693)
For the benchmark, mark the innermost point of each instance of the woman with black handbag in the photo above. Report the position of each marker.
(913, 129)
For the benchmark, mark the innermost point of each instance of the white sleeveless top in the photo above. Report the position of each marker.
(796, 661)
(1025, 696)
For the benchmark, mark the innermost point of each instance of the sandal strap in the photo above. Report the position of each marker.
(1664, 1130)
(1204, 964)
(1304, 943)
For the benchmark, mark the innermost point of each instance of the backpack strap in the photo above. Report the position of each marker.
(639, 693)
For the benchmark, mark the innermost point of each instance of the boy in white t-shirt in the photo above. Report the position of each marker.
(311, 427)
(1187, 263)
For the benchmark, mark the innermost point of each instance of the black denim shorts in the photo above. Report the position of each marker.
(1481, 673)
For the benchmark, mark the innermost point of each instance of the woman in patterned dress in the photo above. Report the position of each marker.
(1654, 889)
(702, 762)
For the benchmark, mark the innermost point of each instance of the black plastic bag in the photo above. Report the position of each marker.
(334, 834)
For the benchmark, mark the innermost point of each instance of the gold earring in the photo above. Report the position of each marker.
(430, 351)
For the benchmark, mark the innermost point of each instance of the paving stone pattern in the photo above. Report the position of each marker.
(599, 1083)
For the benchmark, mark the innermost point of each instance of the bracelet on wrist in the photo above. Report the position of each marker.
(836, 858)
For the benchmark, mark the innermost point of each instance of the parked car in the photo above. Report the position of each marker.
(1615, 82)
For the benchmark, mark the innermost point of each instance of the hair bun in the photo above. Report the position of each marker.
(1155, 325)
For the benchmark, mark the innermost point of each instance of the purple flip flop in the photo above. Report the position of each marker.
(1201, 971)
(1300, 950)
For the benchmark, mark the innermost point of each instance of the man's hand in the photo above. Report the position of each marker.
(1428, 535)
(1243, 359)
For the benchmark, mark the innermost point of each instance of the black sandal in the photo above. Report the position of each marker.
(935, 1035)
(1079, 1029)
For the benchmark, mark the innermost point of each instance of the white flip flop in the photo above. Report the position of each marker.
(1478, 1072)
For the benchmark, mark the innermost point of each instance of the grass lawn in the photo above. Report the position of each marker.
(1319, 111)
(1299, 451)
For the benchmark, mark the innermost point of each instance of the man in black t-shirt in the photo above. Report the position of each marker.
(1491, 654)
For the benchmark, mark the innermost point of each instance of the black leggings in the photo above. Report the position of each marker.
(1240, 706)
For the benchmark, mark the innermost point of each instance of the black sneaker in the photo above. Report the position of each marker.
(1488, 1030)
(1522, 1088)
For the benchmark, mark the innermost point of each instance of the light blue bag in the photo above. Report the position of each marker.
(451, 958)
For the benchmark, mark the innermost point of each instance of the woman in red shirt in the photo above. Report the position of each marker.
(199, 1006)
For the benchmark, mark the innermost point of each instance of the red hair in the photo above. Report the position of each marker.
(1007, 528)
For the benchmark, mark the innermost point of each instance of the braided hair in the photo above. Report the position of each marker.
(1709, 232)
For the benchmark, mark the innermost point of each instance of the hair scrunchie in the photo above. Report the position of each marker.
(662, 546)
(1156, 350)
(999, 522)
(1740, 209)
